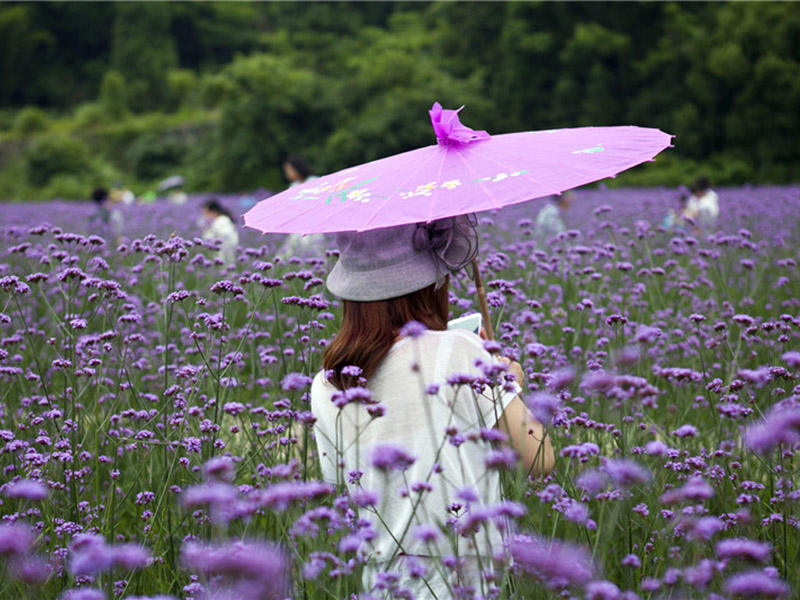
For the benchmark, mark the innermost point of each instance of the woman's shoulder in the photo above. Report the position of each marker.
(320, 383)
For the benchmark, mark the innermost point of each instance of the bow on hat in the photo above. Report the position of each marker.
(453, 242)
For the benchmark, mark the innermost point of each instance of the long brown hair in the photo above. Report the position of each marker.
(370, 328)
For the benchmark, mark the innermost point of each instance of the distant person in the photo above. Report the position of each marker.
(703, 205)
(107, 219)
(676, 219)
(548, 221)
(121, 194)
(298, 171)
(220, 226)
(177, 196)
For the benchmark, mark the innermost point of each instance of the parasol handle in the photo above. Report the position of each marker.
(487, 322)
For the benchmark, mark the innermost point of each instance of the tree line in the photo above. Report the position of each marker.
(223, 91)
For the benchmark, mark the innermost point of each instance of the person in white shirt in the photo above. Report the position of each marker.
(220, 227)
(297, 172)
(404, 408)
(703, 205)
(548, 220)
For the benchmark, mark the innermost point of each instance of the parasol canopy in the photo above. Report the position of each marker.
(466, 171)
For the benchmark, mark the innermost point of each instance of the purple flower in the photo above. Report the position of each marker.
(685, 431)
(468, 495)
(699, 575)
(205, 494)
(591, 481)
(30, 569)
(656, 448)
(577, 512)
(90, 555)
(129, 556)
(352, 371)
(695, 489)
(706, 527)
(15, 539)
(426, 533)
(352, 395)
(792, 358)
(295, 382)
(259, 568)
(631, 560)
(756, 584)
(279, 496)
(781, 426)
(12, 283)
(225, 286)
(598, 383)
(557, 564)
(647, 335)
(544, 407)
(220, 468)
(741, 319)
(388, 457)
(561, 379)
(83, 594)
(743, 548)
(625, 472)
(601, 590)
(501, 458)
(27, 489)
(413, 329)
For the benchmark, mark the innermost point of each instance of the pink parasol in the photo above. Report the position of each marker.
(467, 171)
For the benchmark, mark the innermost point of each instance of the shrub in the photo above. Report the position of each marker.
(181, 83)
(153, 156)
(31, 120)
(89, 115)
(7, 118)
(112, 94)
(53, 156)
(68, 187)
(214, 89)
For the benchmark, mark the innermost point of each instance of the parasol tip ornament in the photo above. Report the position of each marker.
(449, 130)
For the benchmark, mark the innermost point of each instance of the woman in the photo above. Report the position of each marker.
(220, 227)
(397, 411)
(298, 171)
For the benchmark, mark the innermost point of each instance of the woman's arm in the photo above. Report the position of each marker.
(525, 434)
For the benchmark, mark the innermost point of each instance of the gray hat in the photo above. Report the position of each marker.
(387, 263)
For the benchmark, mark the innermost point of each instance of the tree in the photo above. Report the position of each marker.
(144, 52)
(274, 108)
(112, 95)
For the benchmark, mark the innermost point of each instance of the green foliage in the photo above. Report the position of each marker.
(53, 156)
(31, 119)
(182, 84)
(144, 52)
(348, 82)
(214, 89)
(90, 114)
(112, 94)
(68, 187)
(275, 108)
(7, 117)
(152, 156)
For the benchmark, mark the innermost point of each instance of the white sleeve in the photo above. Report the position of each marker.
(324, 427)
(478, 409)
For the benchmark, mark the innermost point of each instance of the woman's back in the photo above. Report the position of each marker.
(436, 423)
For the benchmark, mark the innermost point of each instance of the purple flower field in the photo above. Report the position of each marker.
(156, 439)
